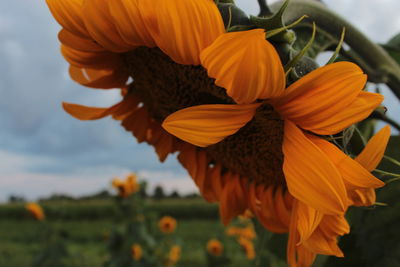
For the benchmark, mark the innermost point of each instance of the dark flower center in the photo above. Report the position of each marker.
(254, 152)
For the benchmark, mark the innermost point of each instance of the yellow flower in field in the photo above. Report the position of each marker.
(174, 255)
(215, 247)
(244, 232)
(36, 211)
(137, 252)
(167, 224)
(127, 187)
(248, 140)
(248, 248)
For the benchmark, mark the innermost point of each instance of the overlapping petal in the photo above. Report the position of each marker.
(328, 99)
(127, 17)
(101, 27)
(246, 65)
(308, 220)
(72, 40)
(373, 152)
(232, 202)
(91, 60)
(205, 125)
(69, 15)
(353, 173)
(104, 79)
(310, 175)
(186, 27)
(357, 111)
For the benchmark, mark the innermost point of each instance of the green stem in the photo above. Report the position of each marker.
(379, 66)
(264, 9)
(383, 117)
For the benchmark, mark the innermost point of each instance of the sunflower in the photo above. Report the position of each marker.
(220, 99)
(215, 247)
(174, 255)
(35, 210)
(248, 248)
(167, 224)
(127, 187)
(137, 252)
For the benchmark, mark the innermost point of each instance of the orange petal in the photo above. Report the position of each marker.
(209, 192)
(186, 27)
(138, 123)
(100, 25)
(362, 197)
(357, 111)
(105, 79)
(373, 152)
(233, 202)
(283, 211)
(261, 202)
(310, 175)
(129, 22)
(305, 257)
(293, 239)
(91, 60)
(92, 113)
(353, 173)
(321, 244)
(69, 15)
(148, 14)
(69, 39)
(297, 255)
(334, 225)
(320, 97)
(308, 220)
(205, 125)
(246, 65)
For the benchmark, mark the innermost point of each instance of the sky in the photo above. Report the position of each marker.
(43, 150)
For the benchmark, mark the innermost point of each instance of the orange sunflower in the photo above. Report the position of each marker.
(35, 210)
(221, 101)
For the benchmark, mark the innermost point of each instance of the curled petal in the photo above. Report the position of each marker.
(72, 40)
(92, 113)
(334, 225)
(104, 79)
(325, 97)
(186, 27)
(373, 152)
(69, 15)
(362, 197)
(205, 125)
(322, 244)
(246, 65)
(310, 175)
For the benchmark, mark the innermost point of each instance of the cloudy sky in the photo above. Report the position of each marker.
(43, 150)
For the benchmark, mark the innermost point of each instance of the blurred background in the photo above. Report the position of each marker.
(68, 165)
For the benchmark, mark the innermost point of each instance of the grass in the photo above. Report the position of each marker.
(85, 239)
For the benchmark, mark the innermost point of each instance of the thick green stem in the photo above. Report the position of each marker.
(379, 66)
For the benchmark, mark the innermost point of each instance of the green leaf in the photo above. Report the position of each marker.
(322, 42)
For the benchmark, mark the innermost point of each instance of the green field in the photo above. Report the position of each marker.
(85, 225)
